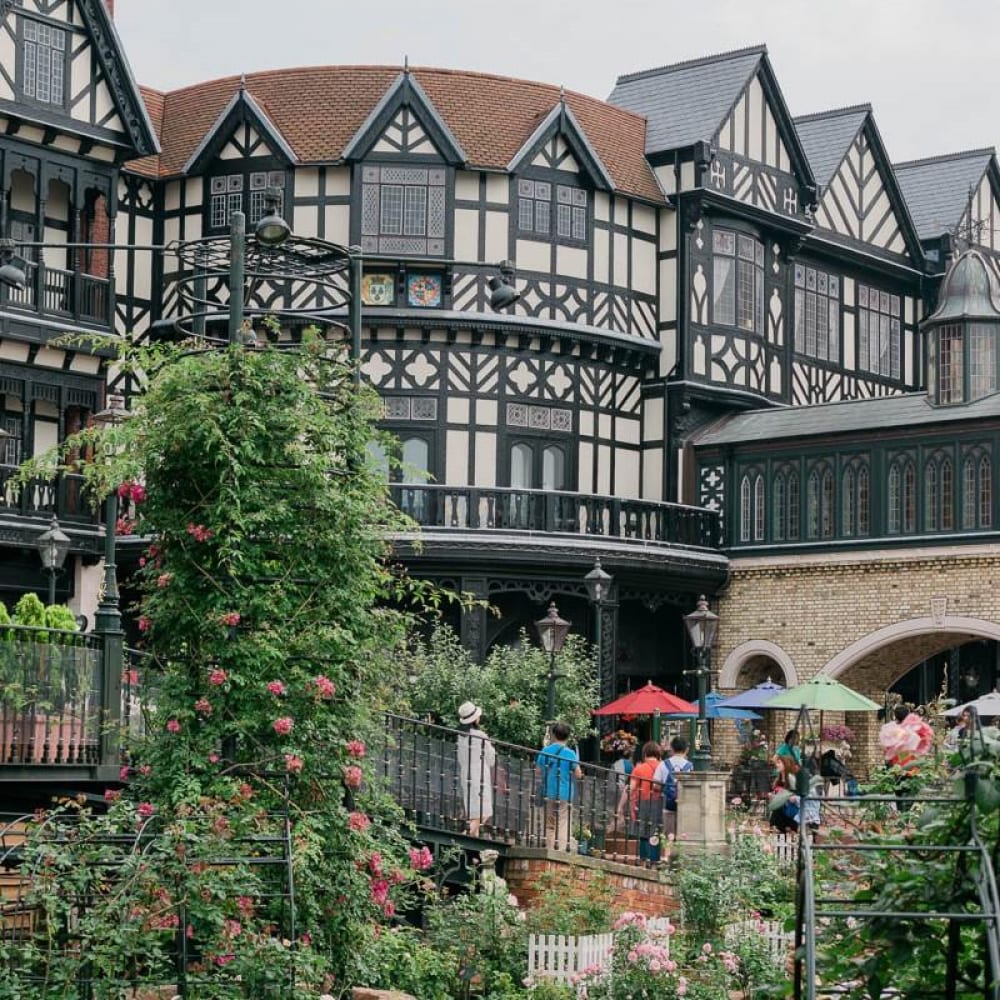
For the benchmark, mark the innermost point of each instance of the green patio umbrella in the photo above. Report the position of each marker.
(825, 694)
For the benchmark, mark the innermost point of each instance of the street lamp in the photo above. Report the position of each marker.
(701, 625)
(552, 631)
(53, 547)
(598, 584)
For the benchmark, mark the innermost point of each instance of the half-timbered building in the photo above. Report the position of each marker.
(70, 116)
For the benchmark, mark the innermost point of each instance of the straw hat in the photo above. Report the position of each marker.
(469, 713)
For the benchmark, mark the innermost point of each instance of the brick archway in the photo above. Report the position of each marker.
(729, 675)
(877, 660)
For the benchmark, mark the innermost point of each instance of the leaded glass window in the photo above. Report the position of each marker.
(812, 505)
(909, 497)
(737, 281)
(793, 507)
(43, 68)
(985, 492)
(950, 375)
(982, 360)
(864, 501)
(817, 313)
(778, 513)
(758, 508)
(847, 501)
(535, 210)
(970, 496)
(228, 191)
(902, 497)
(403, 210)
(745, 509)
(930, 497)
(947, 496)
(895, 504)
(879, 332)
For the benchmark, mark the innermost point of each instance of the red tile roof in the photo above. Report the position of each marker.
(319, 109)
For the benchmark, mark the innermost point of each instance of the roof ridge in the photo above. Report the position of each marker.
(943, 157)
(760, 49)
(833, 112)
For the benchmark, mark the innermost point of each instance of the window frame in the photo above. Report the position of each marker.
(742, 278)
(812, 286)
(578, 203)
(65, 32)
(244, 192)
(883, 306)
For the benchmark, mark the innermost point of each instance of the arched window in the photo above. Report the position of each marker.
(745, 512)
(947, 496)
(413, 470)
(521, 467)
(792, 520)
(812, 505)
(895, 501)
(758, 508)
(553, 468)
(930, 496)
(985, 492)
(909, 498)
(864, 501)
(848, 505)
(970, 494)
(826, 505)
(778, 513)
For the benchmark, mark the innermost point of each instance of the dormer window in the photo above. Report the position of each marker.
(403, 210)
(549, 210)
(962, 335)
(242, 192)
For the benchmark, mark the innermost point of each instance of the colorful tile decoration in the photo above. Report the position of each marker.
(423, 290)
(378, 289)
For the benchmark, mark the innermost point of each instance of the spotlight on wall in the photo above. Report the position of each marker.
(272, 230)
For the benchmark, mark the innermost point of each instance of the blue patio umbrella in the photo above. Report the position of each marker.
(714, 709)
(756, 697)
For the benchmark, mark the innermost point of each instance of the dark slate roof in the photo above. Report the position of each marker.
(827, 135)
(851, 417)
(688, 101)
(937, 189)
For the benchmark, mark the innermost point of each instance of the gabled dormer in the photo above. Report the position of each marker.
(954, 197)
(860, 203)
(405, 157)
(242, 156)
(721, 124)
(553, 177)
(65, 82)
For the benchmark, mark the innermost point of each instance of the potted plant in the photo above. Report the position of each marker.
(583, 835)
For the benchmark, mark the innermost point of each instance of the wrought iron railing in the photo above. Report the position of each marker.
(475, 508)
(62, 292)
(62, 496)
(51, 686)
(456, 783)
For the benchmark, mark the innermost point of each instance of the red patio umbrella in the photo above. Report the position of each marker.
(647, 700)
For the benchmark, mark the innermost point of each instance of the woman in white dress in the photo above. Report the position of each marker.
(477, 760)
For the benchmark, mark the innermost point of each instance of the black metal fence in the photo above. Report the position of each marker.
(451, 781)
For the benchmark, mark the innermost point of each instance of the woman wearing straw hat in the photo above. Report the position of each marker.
(476, 763)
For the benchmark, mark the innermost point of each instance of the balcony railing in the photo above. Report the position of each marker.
(473, 508)
(50, 697)
(62, 496)
(58, 292)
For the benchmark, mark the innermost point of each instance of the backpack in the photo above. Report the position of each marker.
(670, 786)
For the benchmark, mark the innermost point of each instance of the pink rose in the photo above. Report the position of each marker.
(358, 822)
(379, 891)
(231, 618)
(124, 490)
(123, 773)
(163, 579)
(146, 809)
(421, 858)
(204, 706)
(293, 764)
(276, 688)
(356, 748)
(897, 740)
(325, 688)
(145, 623)
(138, 493)
(282, 726)
(925, 735)
(173, 726)
(353, 776)
(213, 758)
(217, 676)
(112, 795)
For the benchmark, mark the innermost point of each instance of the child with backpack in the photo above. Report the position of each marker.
(666, 774)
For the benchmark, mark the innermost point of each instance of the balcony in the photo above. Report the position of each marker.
(62, 496)
(54, 699)
(499, 509)
(54, 291)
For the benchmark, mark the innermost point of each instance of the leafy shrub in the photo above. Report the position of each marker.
(560, 907)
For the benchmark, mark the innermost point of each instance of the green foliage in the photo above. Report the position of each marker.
(565, 906)
(30, 611)
(434, 676)
(258, 610)
(59, 616)
(399, 958)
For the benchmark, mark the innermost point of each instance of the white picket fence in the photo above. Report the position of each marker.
(779, 941)
(561, 957)
(784, 847)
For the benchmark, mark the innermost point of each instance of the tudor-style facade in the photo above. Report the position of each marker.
(70, 116)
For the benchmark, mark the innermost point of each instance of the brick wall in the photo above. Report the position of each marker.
(901, 606)
(636, 890)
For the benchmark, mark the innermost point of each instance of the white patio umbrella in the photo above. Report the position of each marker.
(987, 706)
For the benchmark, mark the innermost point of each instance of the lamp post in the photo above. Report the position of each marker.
(552, 631)
(598, 583)
(701, 625)
(53, 547)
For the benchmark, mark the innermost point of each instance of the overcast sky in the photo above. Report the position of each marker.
(927, 66)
